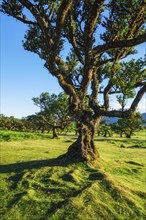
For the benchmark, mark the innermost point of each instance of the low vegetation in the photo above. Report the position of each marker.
(35, 185)
(19, 136)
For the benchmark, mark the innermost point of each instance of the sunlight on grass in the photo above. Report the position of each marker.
(36, 186)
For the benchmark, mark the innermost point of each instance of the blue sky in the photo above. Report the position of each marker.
(22, 73)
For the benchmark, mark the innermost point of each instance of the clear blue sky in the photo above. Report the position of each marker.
(22, 73)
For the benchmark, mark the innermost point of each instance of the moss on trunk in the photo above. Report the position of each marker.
(84, 149)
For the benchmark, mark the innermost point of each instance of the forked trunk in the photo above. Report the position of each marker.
(84, 148)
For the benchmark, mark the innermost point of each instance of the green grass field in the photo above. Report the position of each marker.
(36, 186)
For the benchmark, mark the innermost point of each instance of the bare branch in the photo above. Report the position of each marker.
(120, 44)
(111, 92)
(121, 114)
(102, 62)
(94, 13)
(25, 21)
(61, 15)
(114, 113)
(35, 13)
(138, 98)
(72, 39)
(64, 82)
(106, 95)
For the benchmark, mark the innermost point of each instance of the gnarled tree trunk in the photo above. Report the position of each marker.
(84, 149)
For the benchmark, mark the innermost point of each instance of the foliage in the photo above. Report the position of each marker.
(104, 128)
(11, 123)
(128, 125)
(54, 110)
(53, 113)
(31, 123)
(34, 123)
(70, 129)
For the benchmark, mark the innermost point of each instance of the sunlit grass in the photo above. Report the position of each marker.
(36, 186)
(31, 150)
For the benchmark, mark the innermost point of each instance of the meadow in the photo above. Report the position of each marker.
(35, 185)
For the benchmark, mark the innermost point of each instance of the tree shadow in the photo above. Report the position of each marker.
(108, 139)
(15, 199)
(124, 140)
(59, 204)
(35, 164)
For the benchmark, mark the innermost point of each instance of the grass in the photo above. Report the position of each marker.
(20, 136)
(35, 186)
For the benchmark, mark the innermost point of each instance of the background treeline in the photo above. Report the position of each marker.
(32, 127)
(31, 123)
(54, 118)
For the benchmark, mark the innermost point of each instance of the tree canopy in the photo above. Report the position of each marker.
(54, 110)
(129, 125)
(101, 35)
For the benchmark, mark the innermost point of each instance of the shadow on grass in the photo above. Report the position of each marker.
(15, 199)
(55, 206)
(109, 139)
(29, 165)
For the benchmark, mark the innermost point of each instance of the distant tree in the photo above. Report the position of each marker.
(129, 125)
(71, 128)
(11, 123)
(53, 111)
(100, 34)
(118, 129)
(2, 122)
(34, 123)
(104, 129)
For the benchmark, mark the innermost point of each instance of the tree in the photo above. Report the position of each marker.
(104, 128)
(130, 125)
(100, 34)
(54, 111)
(11, 123)
(34, 123)
(118, 129)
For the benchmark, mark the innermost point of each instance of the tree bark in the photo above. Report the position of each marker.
(54, 132)
(84, 149)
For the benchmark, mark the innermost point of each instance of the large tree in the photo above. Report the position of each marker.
(99, 34)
